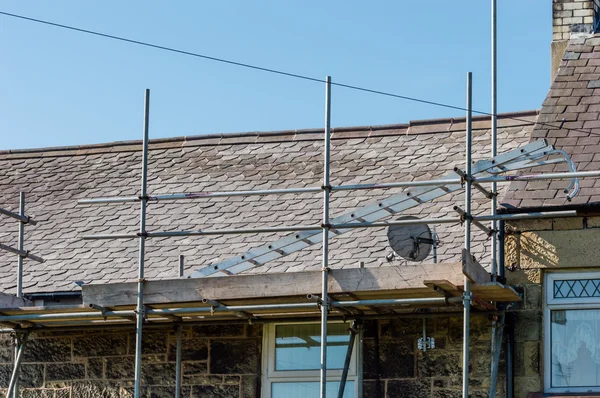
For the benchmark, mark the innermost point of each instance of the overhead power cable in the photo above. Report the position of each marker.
(276, 71)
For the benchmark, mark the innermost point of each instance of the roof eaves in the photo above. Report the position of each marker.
(582, 209)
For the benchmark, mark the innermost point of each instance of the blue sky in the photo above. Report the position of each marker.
(60, 87)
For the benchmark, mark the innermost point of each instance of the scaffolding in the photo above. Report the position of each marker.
(20, 251)
(473, 175)
(20, 340)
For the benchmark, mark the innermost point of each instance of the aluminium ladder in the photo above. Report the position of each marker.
(527, 156)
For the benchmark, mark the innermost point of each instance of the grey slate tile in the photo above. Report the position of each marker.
(55, 183)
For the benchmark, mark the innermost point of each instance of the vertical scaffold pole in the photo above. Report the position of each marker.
(359, 355)
(13, 388)
(181, 265)
(494, 201)
(354, 330)
(434, 233)
(497, 332)
(21, 245)
(179, 348)
(142, 237)
(496, 339)
(467, 293)
(325, 227)
(178, 352)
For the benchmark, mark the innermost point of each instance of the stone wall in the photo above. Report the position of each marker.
(94, 364)
(224, 361)
(404, 371)
(394, 367)
(528, 347)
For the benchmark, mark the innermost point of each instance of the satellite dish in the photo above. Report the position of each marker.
(410, 242)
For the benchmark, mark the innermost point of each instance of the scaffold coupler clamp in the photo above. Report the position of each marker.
(465, 217)
(467, 297)
(142, 310)
(327, 305)
(22, 336)
(324, 303)
(497, 319)
(356, 326)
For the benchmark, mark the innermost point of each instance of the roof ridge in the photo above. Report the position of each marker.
(438, 126)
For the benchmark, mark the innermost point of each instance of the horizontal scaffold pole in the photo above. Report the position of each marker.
(202, 195)
(403, 184)
(124, 314)
(17, 216)
(22, 253)
(527, 216)
(293, 228)
(468, 217)
(264, 192)
(334, 227)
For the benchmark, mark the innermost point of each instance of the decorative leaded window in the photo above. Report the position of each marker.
(576, 288)
(572, 332)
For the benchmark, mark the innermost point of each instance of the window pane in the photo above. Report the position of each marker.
(575, 348)
(309, 390)
(298, 347)
(576, 288)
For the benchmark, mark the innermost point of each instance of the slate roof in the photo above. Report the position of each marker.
(569, 120)
(55, 178)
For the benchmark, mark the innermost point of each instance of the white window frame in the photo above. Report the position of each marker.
(270, 375)
(551, 303)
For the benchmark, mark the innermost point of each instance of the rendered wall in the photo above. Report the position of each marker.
(532, 248)
(546, 244)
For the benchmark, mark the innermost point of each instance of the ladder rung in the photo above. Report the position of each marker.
(512, 160)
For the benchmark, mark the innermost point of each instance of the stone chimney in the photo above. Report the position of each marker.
(571, 18)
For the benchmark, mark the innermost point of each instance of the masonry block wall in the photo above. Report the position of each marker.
(218, 361)
(528, 343)
(224, 361)
(394, 367)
